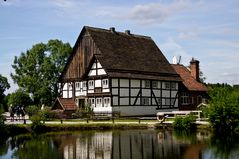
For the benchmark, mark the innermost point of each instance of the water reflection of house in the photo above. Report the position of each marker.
(93, 146)
(122, 145)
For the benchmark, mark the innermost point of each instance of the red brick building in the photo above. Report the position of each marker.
(192, 92)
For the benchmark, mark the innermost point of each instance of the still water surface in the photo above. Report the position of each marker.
(130, 144)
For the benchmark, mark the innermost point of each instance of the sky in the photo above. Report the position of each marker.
(205, 30)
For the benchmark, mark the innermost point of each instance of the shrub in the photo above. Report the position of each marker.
(46, 114)
(186, 123)
(85, 112)
(32, 110)
(37, 126)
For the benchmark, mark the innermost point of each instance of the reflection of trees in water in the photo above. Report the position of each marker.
(224, 146)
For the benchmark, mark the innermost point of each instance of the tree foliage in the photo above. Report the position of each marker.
(19, 98)
(37, 70)
(224, 108)
(4, 85)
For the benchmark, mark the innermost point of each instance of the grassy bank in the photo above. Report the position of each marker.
(20, 128)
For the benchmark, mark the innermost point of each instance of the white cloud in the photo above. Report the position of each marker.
(156, 12)
(63, 3)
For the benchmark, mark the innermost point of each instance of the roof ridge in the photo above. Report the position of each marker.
(117, 32)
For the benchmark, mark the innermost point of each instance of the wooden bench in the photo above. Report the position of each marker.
(162, 116)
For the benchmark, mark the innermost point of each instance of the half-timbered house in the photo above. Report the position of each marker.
(122, 72)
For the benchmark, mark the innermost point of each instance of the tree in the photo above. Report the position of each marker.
(224, 109)
(37, 70)
(19, 98)
(4, 85)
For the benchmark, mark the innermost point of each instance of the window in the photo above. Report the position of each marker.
(92, 102)
(145, 101)
(77, 85)
(147, 83)
(98, 102)
(91, 84)
(155, 84)
(185, 98)
(84, 85)
(106, 101)
(173, 85)
(167, 85)
(105, 83)
(199, 99)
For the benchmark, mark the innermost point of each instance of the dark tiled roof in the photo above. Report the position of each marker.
(189, 82)
(133, 54)
(66, 103)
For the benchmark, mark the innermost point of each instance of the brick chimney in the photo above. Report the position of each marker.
(127, 32)
(194, 66)
(112, 29)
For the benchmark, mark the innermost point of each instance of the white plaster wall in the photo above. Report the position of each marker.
(80, 93)
(65, 86)
(146, 92)
(124, 92)
(166, 93)
(115, 91)
(132, 101)
(97, 83)
(106, 90)
(64, 95)
(99, 65)
(94, 65)
(70, 94)
(134, 92)
(124, 101)
(124, 83)
(157, 93)
(176, 103)
(101, 72)
(90, 91)
(103, 109)
(135, 83)
(159, 84)
(173, 93)
(138, 110)
(114, 82)
(115, 100)
(92, 73)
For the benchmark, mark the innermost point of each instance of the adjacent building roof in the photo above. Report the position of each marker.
(65, 103)
(187, 79)
(128, 55)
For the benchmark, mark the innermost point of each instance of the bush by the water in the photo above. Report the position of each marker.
(37, 125)
(224, 109)
(184, 123)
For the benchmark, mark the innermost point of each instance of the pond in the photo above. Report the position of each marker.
(130, 144)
